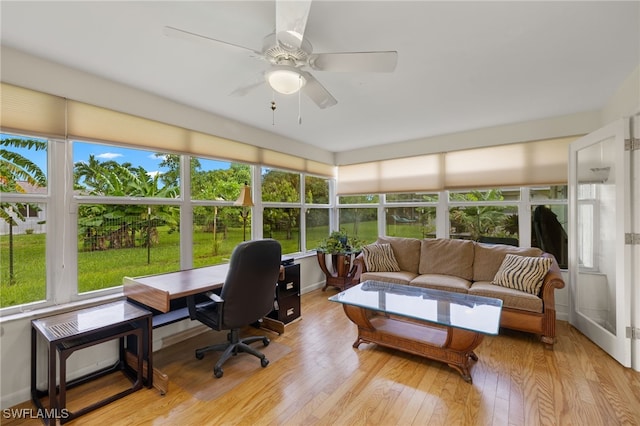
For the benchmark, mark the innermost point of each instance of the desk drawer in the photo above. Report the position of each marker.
(288, 287)
(289, 309)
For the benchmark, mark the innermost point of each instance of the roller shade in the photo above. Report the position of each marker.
(413, 174)
(95, 123)
(531, 163)
(528, 163)
(33, 112)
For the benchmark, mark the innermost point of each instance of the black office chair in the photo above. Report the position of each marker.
(247, 295)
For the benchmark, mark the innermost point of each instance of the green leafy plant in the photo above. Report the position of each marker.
(340, 242)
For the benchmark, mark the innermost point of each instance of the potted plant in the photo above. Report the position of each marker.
(340, 248)
(339, 242)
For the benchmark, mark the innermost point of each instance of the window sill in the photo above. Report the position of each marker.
(38, 312)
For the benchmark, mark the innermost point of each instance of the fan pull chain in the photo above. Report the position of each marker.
(299, 95)
(273, 111)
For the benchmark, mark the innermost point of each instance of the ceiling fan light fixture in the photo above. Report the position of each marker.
(285, 80)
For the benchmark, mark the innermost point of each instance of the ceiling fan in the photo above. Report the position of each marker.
(290, 54)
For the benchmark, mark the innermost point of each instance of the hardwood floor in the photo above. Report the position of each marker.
(324, 381)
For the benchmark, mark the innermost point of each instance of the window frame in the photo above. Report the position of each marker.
(62, 209)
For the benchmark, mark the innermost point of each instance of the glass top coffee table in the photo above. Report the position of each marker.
(438, 325)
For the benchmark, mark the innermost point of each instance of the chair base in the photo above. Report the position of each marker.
(232, 347)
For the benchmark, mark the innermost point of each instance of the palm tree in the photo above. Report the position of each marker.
(118, 224)
(15, 170)
(478, 220)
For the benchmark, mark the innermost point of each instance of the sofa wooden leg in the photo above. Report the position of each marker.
(548, 342)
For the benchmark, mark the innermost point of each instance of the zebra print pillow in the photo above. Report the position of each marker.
(522, 273)
(380, 258)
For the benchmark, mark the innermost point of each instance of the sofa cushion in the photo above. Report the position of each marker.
(447, 257)
(488, 258)
(522, 273)
(406, 251)
(402, 277)
(441, 282)
(514, 299)
(379, 258)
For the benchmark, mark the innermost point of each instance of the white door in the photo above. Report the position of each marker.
(599, 259)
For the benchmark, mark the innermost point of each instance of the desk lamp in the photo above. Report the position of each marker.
(244, 200)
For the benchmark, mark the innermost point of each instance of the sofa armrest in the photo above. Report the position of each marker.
(359, 267)
(552, 281)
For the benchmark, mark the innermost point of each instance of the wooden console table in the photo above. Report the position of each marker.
(68, 332)
(435, 324)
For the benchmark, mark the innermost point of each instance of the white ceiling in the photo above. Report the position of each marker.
(461, 65)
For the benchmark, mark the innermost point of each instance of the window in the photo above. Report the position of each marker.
(549, 216)
(316, 190)
(411, 215)
(282, 208)
(360, 222)
(218, 225)
(317, 210)
(130, 237)
(489, 216)
(359, 199)
(118, 240)
(127, 207)
(588, 226)
(23, 219)
(317, 226)
(415, 222)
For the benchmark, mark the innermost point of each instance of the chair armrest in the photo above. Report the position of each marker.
(211, 295)
(191, 303)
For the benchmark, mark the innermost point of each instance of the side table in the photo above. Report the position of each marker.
(71, 331)
(341, 272)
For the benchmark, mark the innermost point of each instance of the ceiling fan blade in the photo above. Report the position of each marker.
(243, 90)
(317, 93)
(187, 35)
(291, 21)
(354, 61)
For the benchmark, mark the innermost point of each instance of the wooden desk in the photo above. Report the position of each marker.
(158, 291)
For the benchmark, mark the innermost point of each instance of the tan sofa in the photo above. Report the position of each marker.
(469, 267)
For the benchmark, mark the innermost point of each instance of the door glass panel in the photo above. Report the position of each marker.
(596, 230)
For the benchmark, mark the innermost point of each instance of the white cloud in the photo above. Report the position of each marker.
(157, 158)
(108, 155)
(154, 174)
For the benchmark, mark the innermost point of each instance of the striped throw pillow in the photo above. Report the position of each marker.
(522, 273)
(380, 258)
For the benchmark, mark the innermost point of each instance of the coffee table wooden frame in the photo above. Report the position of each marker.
(434, 340)
(453, 346)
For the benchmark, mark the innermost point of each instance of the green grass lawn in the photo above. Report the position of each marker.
(106, 268)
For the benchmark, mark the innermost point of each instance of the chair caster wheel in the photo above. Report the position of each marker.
(266, 341)
(217, 372)
(264, 362)
(199, 355)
